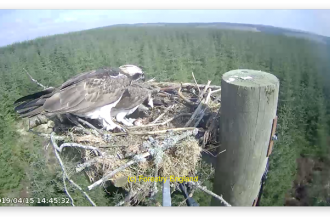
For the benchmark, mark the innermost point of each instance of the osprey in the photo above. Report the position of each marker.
(132, 98)
(91, 95)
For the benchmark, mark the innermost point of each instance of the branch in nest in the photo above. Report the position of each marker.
(205, 89)
(199, 91)
(167, 143)
(66, 175)
(88, 163)
(88, 138)
(66, 189)
(155, 132)
(80, 146)
(200, 110)
(159, 124)
(178, 85)
(161, 115)
(185, 99)
(151, 80)
(204, 189)
(137, 159)
(52, 138)
(215, 91)
(202, 113)
(33, 80)
(96, 131)
(196, 112)
(208, 97)
(56, 137)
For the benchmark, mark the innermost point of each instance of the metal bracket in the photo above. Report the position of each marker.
(273, 137)
(255, 202)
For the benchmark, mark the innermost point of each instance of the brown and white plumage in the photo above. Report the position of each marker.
(132, 98)
(91, 94)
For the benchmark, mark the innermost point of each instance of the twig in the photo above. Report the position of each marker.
(208, 96)
(199, 91)
(56, 137)
(66, 174)
(111, 174)
(66, 189)
(204, 189)
(161, 115)
(215, 91)
(193, 190)
(88, 163)
(220, 153)
(155, 132)
(205, 89)
(151, 80)
(88, 138)
(80, 146)
(162, 123)
(90, 125)
(198, 109)
(177, 85)
(202, 113)
(35, 81)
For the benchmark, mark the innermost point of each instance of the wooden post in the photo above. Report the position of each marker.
(248, 108)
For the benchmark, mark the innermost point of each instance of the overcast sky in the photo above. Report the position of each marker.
(20, 25)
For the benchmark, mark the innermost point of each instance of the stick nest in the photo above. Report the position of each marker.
(178, 108)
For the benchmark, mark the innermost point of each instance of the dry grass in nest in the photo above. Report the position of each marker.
(182, 160)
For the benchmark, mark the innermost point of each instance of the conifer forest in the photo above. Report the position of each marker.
(299, 167)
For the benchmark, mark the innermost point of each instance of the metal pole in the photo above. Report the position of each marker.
(166, 193)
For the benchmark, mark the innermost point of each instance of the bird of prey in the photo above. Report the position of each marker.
(91, 95)
(132, 98)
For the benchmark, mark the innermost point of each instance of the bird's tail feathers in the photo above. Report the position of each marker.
(32, 112)
(35, 95)
(32, 104)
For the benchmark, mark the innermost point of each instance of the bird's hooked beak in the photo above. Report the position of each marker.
(143, 77)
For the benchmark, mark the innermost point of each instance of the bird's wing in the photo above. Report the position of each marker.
(87, 95)
(95, 74)
(132, 97)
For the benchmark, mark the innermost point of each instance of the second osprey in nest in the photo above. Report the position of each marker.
(132, 98)
(91, 95)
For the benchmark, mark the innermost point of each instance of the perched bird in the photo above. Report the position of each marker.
(132, 98)
(91, 95)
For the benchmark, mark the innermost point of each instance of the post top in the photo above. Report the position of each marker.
(251, 78)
